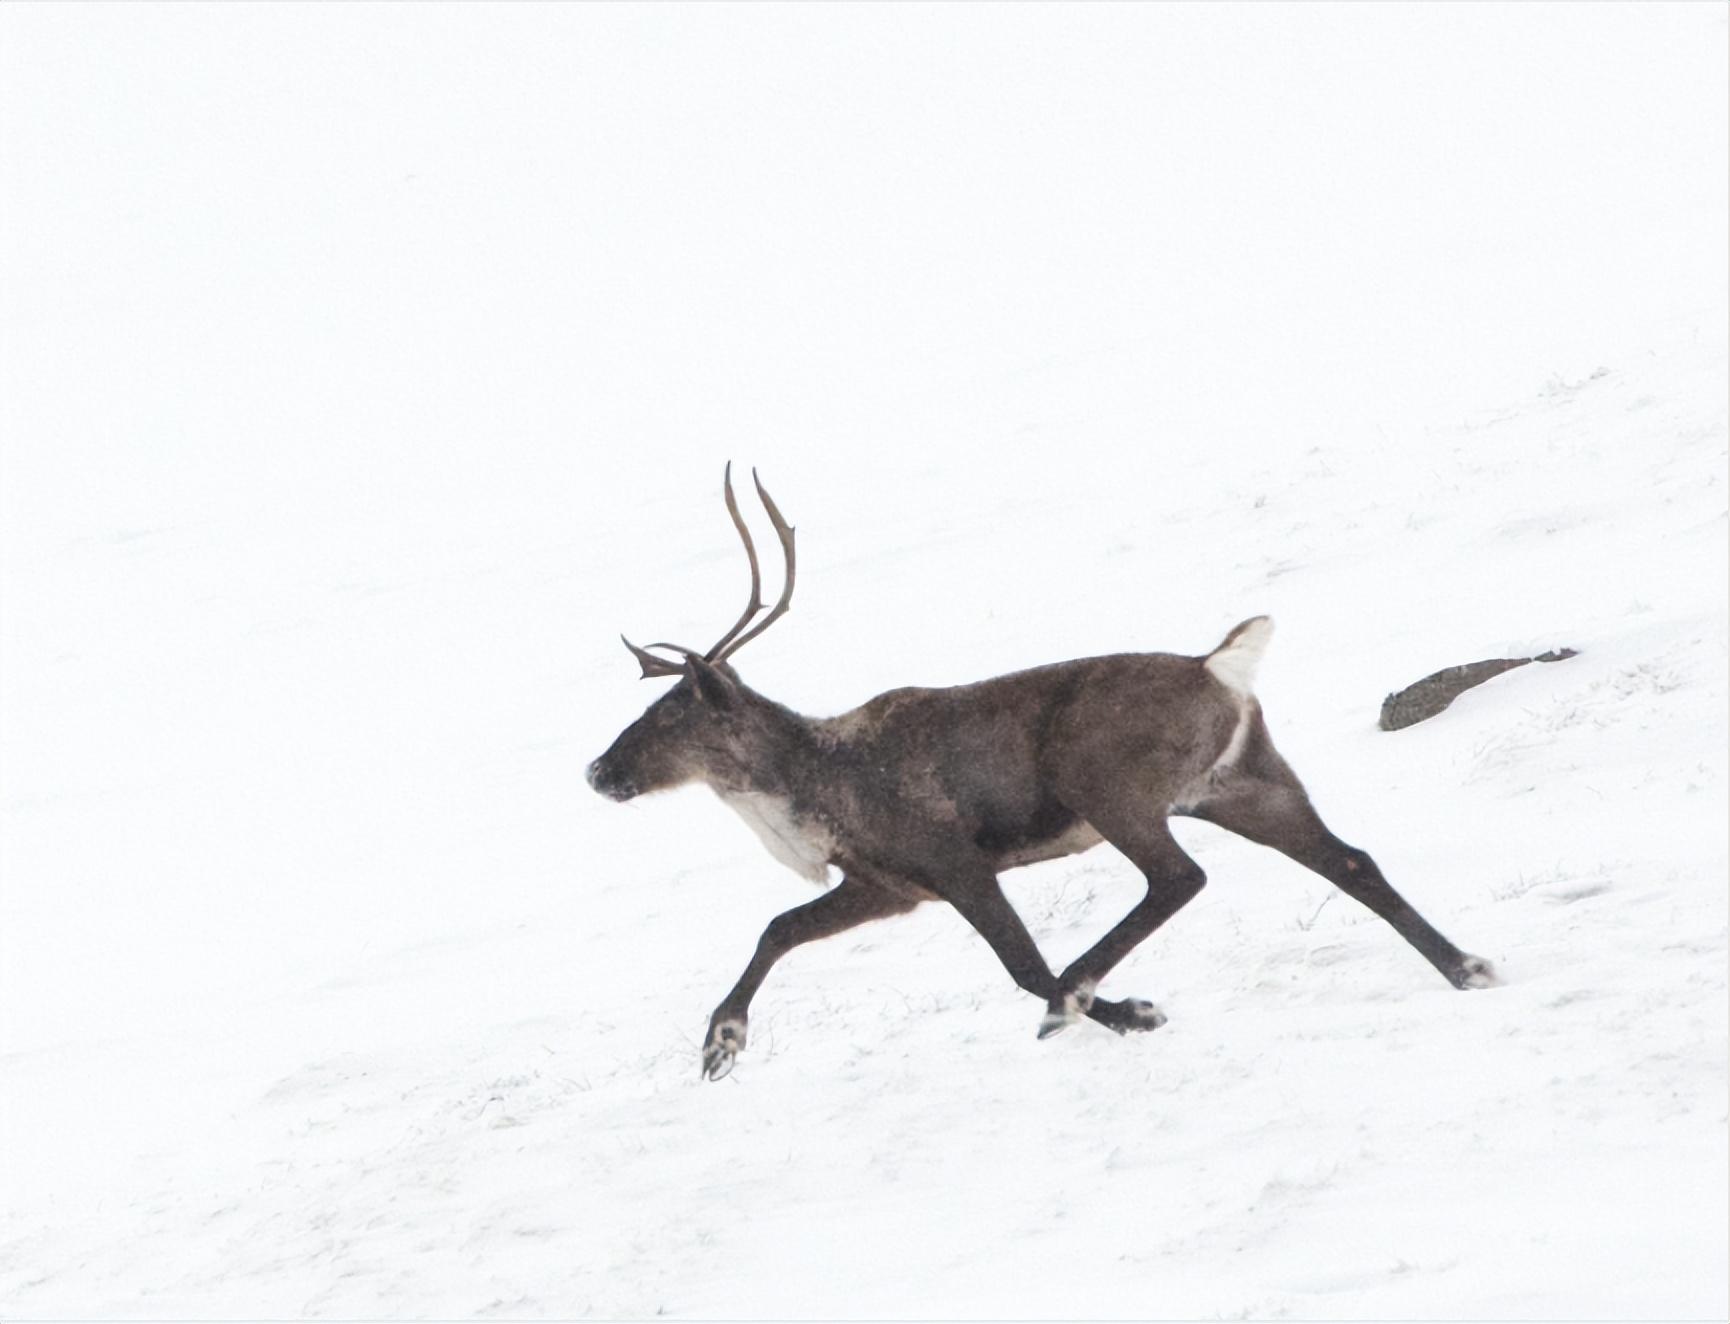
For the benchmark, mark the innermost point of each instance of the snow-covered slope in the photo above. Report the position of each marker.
(363, 381)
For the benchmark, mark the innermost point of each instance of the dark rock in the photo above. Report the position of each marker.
(1427, 697)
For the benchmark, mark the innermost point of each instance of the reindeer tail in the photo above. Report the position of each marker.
(1234, 662)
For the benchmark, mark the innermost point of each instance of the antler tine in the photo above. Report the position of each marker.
(784, 532)
(756, 602)
(658, 666)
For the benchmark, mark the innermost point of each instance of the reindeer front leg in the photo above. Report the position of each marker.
(980, 900)
(852, 902)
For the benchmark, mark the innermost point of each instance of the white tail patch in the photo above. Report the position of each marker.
(1234, 662)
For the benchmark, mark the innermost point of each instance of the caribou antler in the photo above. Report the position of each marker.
(784, 531)
(658, 666)
(755, 605)
(733, 640)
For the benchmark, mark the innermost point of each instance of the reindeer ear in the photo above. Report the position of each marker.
(713, 686)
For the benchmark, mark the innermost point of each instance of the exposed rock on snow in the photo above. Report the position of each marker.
(1423, 699)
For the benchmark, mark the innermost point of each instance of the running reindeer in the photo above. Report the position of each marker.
(929, 794)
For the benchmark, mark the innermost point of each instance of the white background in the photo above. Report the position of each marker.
(367, 369)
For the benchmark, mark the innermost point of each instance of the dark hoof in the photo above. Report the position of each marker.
(1054, 1023)
(1475, 972)
(1132, 1014)
(1140, 1014)
(725, 1041)
(1065, 1010)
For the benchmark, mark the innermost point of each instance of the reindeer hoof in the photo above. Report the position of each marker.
(1475, 972)
(1131, 1014)
(1054, 1023)
(1064, 1011)
(725, 1041)
(1140, 1014)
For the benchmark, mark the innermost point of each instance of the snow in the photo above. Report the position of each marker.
(368, 369)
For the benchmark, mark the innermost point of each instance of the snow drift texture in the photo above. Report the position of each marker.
(367, 370)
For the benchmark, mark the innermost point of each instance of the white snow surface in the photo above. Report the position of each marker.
(368, 369)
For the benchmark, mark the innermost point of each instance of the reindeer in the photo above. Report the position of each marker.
(929, 794)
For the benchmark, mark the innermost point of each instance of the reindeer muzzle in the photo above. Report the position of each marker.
(609, 783)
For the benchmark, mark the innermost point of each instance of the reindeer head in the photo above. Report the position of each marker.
(710, 726)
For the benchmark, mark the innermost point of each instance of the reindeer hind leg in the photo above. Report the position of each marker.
(1173, 880)
(1264, 802)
